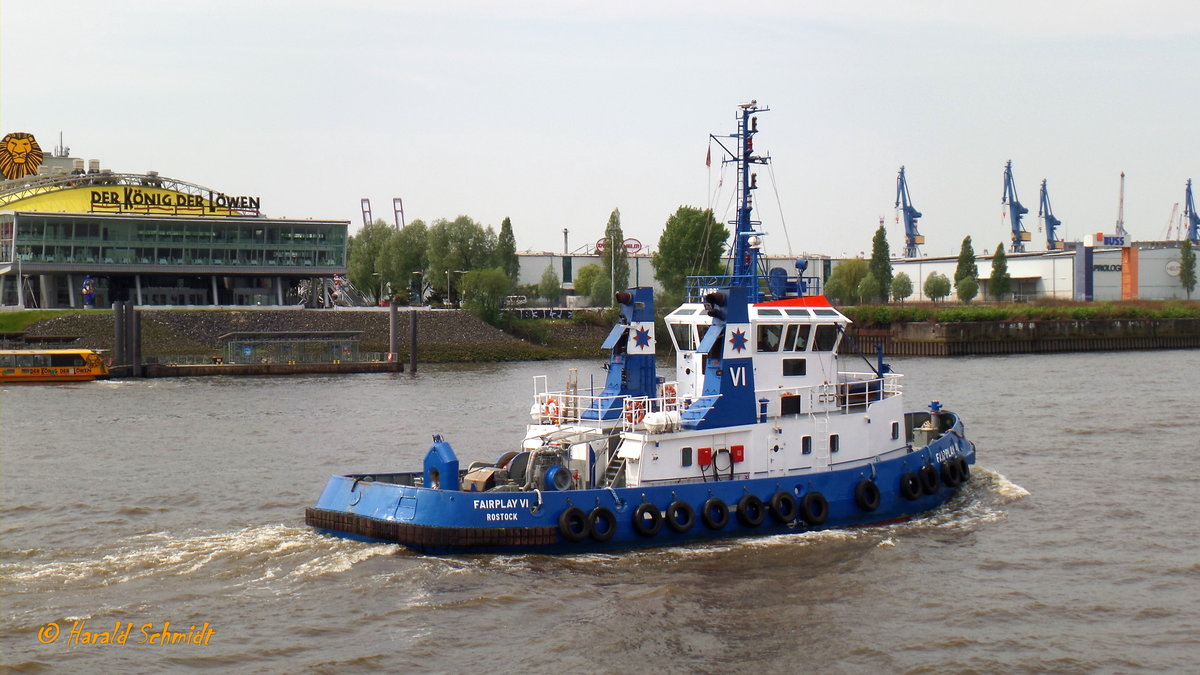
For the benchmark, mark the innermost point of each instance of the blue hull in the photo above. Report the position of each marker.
(376, 507)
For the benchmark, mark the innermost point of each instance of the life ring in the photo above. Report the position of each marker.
(551, 410)
(867, 496)
(951, 474)
(714, 513)
(910, 486)
(573, 524)
(635, 411)
(647, 520)
(750, 511)
(680, 516)
(814, 509)
(669, 396)
(929, 479)
(784, 507)
(598, 531)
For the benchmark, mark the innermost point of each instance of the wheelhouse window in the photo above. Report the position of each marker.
(769, 337)
(684, 335)
(796, 337)
(825, 338)
(793, 367)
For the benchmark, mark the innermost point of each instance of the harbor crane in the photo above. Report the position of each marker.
(1015, 211)
(912, 238)
(1189, 214)
(1054, 241)
(1121, 210)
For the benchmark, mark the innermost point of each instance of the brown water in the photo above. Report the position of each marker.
(1074, 549)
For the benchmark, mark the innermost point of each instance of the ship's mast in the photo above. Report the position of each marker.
(747, 240)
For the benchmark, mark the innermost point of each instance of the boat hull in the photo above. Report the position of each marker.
(434, 521)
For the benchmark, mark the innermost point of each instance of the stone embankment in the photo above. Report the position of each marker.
(442, 335)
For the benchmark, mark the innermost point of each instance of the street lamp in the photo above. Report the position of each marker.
(379, 295)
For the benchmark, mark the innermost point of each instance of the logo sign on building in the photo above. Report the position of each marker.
(141, 199)
(20, 155)
(1109, 240)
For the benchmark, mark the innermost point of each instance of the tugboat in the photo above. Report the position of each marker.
(759, 431)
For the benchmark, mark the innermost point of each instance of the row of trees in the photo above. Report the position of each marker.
(405, 264)
(859, 281)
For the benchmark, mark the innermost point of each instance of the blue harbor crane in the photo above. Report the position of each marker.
(1189, 214)
(1015, 211)
(912, 238)
(1053, 240)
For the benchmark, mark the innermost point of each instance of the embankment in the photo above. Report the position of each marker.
(442, 335)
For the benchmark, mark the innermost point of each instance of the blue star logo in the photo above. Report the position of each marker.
(738, 341)
(641, 337)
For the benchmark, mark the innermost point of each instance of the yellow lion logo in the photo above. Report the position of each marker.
(20, 155)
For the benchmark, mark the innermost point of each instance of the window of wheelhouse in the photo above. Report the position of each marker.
(796, 337)
(769, 337)
(825, 337)
(684, 336)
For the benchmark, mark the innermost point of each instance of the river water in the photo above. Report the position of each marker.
(129, 504)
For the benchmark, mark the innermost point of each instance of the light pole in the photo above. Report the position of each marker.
(379, 295)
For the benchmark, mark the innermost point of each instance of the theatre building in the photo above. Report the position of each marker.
(150, 239)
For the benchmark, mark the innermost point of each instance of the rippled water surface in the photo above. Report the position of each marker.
(134, 503)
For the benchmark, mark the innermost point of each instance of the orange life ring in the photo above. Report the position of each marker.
(669, 394)
(635, 411)
(551, 410)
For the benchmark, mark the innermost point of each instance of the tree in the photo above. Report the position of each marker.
(550, 286)
(403, 256)
(968, 288)
(614, 256)
(966, 262)
(363, 260)
(506, 252)
(692, 243)
(586, 277)
(484, 291)
(937, 286)
(1000, 283)
(1187, 268)
(458, 245)
(601, 292)
(867, 289)
(901, 287)
(881, 265)
(843, 284)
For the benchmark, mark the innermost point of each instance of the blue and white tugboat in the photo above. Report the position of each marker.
(758, 431)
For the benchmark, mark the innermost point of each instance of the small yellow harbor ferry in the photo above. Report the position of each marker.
(50, 365)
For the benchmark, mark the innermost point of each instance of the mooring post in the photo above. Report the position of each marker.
(393, 333)
(412, 340)
(118, 309)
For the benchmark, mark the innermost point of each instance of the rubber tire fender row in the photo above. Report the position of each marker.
(573, 524)
(609, 528)
(910, 486)
(647, 519)
(964, 468)
(751, 511)
(929, 479)
(714, 513)
(672, 516)
(814, 508)
(867, 496)
(784, 507)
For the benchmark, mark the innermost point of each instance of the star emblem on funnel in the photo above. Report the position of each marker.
(738, 340)
(641, 337)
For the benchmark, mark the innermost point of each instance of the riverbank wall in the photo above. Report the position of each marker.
(1027, 337)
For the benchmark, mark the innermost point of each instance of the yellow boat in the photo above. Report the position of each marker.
(50, 365)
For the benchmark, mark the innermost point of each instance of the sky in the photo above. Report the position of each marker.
(553, 113)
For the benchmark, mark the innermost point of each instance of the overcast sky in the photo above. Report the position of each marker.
(553, 113)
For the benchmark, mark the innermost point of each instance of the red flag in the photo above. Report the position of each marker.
(708, 158)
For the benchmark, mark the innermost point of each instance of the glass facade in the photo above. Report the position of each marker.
(87, 239)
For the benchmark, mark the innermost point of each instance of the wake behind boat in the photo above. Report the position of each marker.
(758, 431)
